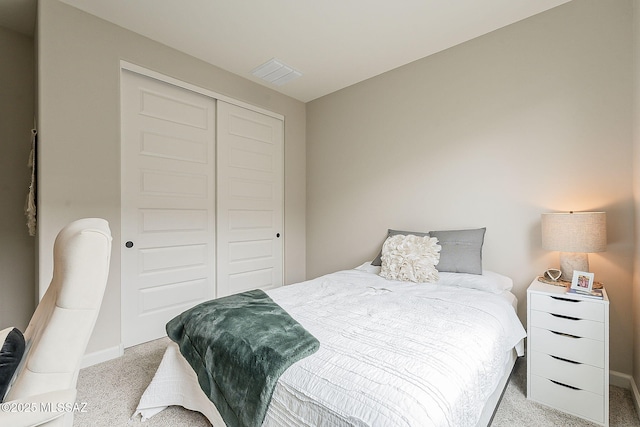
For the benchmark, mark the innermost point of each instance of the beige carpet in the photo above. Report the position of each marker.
(112, 390)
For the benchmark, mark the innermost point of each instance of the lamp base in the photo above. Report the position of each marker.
(570, 261)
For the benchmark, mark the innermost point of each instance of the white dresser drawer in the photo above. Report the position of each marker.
(568, 325)
(583, 350)
(579, 308)
(577, 402)
(580, 375)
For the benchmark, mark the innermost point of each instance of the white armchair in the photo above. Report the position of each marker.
(43, 391)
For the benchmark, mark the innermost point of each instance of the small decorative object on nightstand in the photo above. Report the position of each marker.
(568, 351)
(552, 274)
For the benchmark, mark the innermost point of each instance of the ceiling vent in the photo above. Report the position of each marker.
(275, 72)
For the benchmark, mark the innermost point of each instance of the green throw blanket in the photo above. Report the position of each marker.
(239, 346)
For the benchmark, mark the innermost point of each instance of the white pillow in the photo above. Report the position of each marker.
(487, 281)
(410, 258)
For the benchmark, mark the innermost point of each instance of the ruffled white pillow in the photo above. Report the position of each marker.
(410, 258)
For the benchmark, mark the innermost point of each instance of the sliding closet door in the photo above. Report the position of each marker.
(168, 201)
(250, 184)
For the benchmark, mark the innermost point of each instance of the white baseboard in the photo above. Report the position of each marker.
(636, 395)
(626, 381)
(619, 379)
(96, 357)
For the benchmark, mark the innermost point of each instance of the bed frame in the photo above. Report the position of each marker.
(491, 406)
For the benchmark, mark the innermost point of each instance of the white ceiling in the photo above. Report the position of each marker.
(334, 43)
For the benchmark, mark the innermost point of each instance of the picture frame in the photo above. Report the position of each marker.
(582, 281)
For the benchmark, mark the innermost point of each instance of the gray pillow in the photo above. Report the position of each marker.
(461, 250)
(378, 260)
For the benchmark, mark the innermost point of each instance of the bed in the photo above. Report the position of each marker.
(392, 353)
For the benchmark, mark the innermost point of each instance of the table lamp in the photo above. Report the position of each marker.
(574, 234)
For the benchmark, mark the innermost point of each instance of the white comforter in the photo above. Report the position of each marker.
(392, 353)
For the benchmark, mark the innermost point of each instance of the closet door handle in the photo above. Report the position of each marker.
(129, 244)
(278, 235)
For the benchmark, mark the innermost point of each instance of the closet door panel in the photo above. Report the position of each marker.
(168, 204)
(250, 181)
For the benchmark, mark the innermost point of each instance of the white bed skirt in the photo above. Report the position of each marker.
(175, 383)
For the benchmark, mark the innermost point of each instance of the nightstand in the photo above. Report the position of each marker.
(568, 351)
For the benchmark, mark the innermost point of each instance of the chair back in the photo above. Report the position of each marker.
(61, 326)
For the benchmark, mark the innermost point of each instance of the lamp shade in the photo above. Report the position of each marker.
(574, 232)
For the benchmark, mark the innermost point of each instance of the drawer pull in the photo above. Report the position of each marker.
(565, 360)
(566, 299)
(564, 317)
(564, 335)
(564, 385)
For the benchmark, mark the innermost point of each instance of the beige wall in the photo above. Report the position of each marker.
(79, 122)
(532, 118)
(17, 248)
(490, 133)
